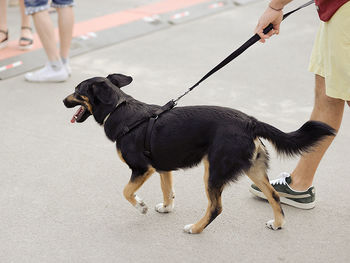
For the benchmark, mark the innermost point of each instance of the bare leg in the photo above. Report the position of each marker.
(65, 27)
(54, 70)
(330, 111)
(3, 19)
(26, 31)
(134, 184)
(166, 181)
(45, 30)
(25, 20)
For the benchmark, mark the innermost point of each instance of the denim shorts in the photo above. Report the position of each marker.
(34, 6)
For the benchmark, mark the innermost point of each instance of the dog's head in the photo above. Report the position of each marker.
(97, 96)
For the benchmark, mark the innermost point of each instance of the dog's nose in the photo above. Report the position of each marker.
(65, 102)
(69, 103)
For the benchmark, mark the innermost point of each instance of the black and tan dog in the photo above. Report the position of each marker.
(226, 140)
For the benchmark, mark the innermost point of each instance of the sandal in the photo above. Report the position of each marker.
(4, 42)
(29, 41)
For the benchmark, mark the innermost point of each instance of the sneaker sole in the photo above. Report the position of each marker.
(27, 47)
(46, 81)
(285, 200)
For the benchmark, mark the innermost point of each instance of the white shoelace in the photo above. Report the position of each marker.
(281, 180)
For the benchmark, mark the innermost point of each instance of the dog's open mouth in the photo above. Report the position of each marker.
(79, 114)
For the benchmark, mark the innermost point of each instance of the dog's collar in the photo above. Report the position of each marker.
(116, 106)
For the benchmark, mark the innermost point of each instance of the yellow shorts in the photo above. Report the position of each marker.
(330, 57)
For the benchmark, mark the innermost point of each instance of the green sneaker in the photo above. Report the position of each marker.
(299, 199)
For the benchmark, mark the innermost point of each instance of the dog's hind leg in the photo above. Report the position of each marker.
(257, 173)
(166, 182)
(214, 204)
(136, 181)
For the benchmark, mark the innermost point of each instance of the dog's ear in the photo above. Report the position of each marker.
(119, 80)
(103, 92)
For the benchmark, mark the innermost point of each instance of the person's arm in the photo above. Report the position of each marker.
(273, 14)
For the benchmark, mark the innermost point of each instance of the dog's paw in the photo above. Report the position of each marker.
(271, 225)
(160, 208)
(140, 205)
(188, 228)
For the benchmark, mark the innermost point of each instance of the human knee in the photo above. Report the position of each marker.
(323, 100)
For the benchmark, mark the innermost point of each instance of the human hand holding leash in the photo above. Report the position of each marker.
(272, 15)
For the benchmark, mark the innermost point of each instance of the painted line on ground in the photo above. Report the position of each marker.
(13, 65)
(180, 15)
(109, 21)
(89, 39)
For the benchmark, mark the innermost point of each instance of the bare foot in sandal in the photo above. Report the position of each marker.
(26, 40)
(4, 34)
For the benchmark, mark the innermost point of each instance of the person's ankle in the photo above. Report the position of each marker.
(26, 30)
(56, 65)
(64, 60)
(298, 184)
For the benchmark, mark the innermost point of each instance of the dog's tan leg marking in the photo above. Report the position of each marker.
(133, 186)
(214, 205)
(121, 156)
(166, 182)
(257, 173)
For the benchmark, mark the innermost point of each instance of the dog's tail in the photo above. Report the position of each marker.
(296, 142)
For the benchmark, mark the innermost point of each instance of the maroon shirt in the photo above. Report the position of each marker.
(327, 8)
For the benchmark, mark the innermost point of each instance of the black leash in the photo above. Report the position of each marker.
(172, 103)
(239, 51)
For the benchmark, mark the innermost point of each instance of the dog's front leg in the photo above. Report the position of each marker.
(136, 181)
(166, 182)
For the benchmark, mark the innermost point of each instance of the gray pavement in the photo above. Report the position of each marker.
(61, 183)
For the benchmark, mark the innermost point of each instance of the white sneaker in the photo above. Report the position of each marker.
(47, 74)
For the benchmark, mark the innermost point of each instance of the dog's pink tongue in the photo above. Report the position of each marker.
(75, 116)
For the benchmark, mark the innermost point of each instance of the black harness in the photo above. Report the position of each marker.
(172, 103)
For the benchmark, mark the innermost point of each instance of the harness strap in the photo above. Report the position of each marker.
(151, 123)
(127, 129)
